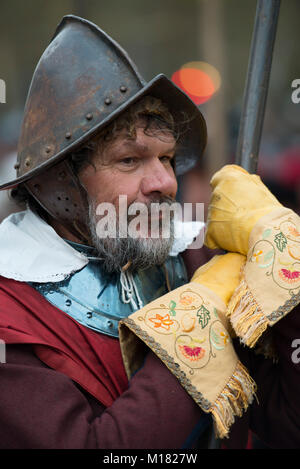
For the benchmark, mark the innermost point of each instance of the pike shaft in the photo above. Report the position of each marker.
(257, 84)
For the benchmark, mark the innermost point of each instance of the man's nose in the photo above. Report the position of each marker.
(160, 179)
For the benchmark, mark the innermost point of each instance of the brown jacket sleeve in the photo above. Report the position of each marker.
(42, 408)
(275, 418)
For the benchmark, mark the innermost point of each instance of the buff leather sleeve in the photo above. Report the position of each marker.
(43, 408)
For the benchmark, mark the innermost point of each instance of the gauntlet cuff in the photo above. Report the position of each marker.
(270, 287)
(187, 330)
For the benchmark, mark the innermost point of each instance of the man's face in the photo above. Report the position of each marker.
(140, 169)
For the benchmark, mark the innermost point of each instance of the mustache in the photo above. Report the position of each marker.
(155, 200)
(150, 208)
(161, 199)
(156, 209)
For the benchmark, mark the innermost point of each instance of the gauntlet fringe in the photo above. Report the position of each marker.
(233, 400)
(246, 316)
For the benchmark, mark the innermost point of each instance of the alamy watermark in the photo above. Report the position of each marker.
(2, 91)
(296, 93)
(153, 220)
(296, 353)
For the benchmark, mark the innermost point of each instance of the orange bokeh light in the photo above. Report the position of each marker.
(198, 80)
(198, 83)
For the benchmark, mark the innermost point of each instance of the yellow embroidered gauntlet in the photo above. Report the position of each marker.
(187, 329)
(245, 217)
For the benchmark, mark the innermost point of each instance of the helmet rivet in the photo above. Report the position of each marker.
(89, 116)
(107, 101)
(17, 166)
(123, 89)
(62, 175)
(28, 161)
(48, 149)
(89, 314)
(68, 135)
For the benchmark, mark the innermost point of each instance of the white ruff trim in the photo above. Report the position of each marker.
(185, 234)
(32, 251)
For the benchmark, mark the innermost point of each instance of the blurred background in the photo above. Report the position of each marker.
(207, 40)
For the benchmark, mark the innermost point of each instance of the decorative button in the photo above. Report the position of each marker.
(110, 324)
(89, 116)
(68, 135)
(68, 302)
(89, 314)
(123, 89)
(107, 101)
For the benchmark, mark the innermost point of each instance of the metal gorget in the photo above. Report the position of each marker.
(95, 299)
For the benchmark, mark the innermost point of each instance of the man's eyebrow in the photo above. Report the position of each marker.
(145, 148)
(171, 149)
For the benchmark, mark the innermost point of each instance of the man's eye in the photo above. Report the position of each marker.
(166, 159)
(128, 161)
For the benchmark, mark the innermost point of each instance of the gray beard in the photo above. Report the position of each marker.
(142, 253)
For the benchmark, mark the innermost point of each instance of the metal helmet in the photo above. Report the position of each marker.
(82, 82)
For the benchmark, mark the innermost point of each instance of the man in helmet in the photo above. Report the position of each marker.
(93, 131)
(87, 110)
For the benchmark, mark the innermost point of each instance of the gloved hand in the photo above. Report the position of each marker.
(187, 329)
(245, 217)
(238, 201)
(221, 274)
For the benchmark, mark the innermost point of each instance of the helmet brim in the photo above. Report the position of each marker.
(193, 142)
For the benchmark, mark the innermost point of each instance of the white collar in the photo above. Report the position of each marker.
(32, 251)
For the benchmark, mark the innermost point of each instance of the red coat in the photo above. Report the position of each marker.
(64, 386)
